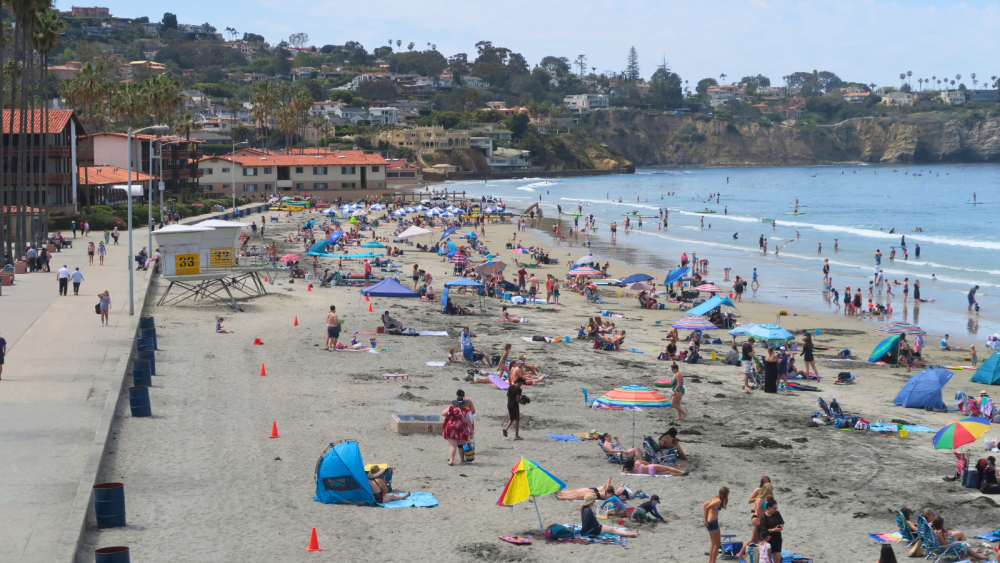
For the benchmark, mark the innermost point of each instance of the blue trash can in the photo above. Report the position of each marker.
(140, 373)
(116, 554)
(151, 334)
(138, 401)
(150, 357)
(147, 322)
(109, 504)
(144, 344)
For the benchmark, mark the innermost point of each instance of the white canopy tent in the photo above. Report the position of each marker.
(413, 232)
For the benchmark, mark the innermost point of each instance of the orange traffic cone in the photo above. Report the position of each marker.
(366, 298)
(262, 372)
(265, 277)
(313, 542)
(369, 307)
(296, 323)
(257, 342)
(309, 287)
(274, 430)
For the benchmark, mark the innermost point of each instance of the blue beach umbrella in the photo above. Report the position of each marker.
(769, 333)
(448, 232)
(884, 347)
(742, 329)
(676, 274)
(636, 278)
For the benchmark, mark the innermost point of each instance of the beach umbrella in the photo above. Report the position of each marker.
(676, 274)
(884, 347)
(709, 288)
(769, 333)
(377, 207)
(398, 213)
(330, 211)
(583, 272)
(433, 212)
(420, 208)
(588, 259)
(897, 327)
(448, 232)
(742, 329)
(448, 214)
(453, 209)
(636, 278)
(528, 479)
(633, 396)
(410, 210)
(958, 433)
(491, 267)
(288, 258)
(372, 244)
(694, 323)
(639, 286)
(413, 232)
(359, 213)
(470, 234)
(520, 251)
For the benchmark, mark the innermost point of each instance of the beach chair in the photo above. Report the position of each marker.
(592, 296)
(930, 543)
(756, 378)
(470, 360)
(905, 533)
(602, 344)
(652, 453)
(609, 457)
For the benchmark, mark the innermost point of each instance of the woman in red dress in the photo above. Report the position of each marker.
(457, 428)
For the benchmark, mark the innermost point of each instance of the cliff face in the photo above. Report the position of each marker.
(654, 138)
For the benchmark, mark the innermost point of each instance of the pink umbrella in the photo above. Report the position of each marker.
(288, 258)
(709, 287)
(520, 251)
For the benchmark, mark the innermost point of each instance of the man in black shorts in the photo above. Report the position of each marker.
(738, 286)
(332, 329)
(514, 399)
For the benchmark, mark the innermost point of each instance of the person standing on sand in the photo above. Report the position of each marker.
(368, 271)
(332, 329)
(457, 430)
(747, 359)
(532, 287)
(710, 519)
(756, 283)
(514, 401)
(678, 392)
(105, 307)
(807, 350)
(548, 288)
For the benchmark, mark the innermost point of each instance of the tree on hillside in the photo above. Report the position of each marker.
(286, 119)
(280, 63)
(559, 65)
(754, 84)
(518, 124)
(169, 21)
(298, 40)
(665, 88)
(632, 65)
(185, 125)
(702, 88)
(581, 65)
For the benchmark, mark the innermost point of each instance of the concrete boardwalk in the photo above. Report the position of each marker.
(61, 366)
(62, 369)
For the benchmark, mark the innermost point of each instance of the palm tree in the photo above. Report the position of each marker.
(958, 77)
(46, 37)
(185, 124)
(321, 124)
(265, 101)
(473, 96)
(902, 77)
(128, 103)
(87, 88)
(287, 120)
(909, 73)
(302, 102)
(920, 82)
(974, 81)
(234, 106)
(163, 95)
(722, 78)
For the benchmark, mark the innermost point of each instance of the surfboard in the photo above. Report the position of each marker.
(974, 203)
(799, 213)
(704, 212)
(574, 214)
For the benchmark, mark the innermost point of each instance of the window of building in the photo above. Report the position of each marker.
(348, 185)
(206, 187)
(249, 171)
(206, 170)
(267, 170)
(299, 186)
(267, 187)
(320, 186)
(250, 187)
(225, 171)
(319, 170)
(374, 168)
(225, 186)
(298, 169)
(347, 170)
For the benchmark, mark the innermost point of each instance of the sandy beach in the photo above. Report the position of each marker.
(204, 482)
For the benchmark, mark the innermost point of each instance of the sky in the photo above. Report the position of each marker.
(868, 41)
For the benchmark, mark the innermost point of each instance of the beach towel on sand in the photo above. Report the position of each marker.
(564, 437)
(885, 538)
(415, 499)
(433, 333)
(643, 474)
(437, 364)
(516, 540)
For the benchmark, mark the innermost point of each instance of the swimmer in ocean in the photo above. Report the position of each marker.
(736, 235)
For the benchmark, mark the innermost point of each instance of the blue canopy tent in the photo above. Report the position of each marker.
(924, 390)
(456, 283)
(709, 305)
(388, 287)
(989, 372)
(341, 478)
(636, 278)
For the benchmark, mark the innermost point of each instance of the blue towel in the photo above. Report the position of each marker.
(915, 428)
(564, 437)
(415, 499)
(636, 350)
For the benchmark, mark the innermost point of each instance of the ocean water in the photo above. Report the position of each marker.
(856, 205)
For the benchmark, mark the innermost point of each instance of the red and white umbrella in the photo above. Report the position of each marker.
(709, 287)
(288, 258)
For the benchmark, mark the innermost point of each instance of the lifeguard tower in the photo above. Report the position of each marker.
(203, 262)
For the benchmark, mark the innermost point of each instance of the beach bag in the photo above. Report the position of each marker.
(916, 551)
(97, 308)
(560, 532)
(538, 338)
(470, 451)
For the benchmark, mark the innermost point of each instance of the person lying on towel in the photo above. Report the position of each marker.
(639, 467)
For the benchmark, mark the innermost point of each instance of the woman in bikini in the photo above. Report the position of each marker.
(759, 501)
(710, 519)
(639, 467)
(609, 442)
(604, 492)
(678, 394)
(379, 487)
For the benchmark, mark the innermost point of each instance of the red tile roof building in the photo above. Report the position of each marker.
(49, 184)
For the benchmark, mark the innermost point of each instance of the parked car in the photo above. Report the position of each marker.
(435, 200)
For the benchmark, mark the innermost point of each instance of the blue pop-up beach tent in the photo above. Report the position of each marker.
(989, 372)
(456, 283)
(319, 247)
(924, 390)
(341, 478)
(388, 287)
(709, 305)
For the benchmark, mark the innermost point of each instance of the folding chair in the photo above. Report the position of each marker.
(652, 453)
(905, 533)
(931, 545)
(470, 358)
(609, 457)
(601, 344)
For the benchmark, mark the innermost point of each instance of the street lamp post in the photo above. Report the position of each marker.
(128, 149)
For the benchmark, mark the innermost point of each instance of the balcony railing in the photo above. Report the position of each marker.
(40, 179)
(53, 151)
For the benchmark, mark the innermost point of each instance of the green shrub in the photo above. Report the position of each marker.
(427, 157)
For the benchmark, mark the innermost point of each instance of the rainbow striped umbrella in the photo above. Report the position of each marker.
(633, 396)
(694, 323)
(898, 327)
(958, 433)
(709, 288)
(528, 479)
(583, 272)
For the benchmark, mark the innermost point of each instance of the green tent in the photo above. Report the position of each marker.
(989, 372)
